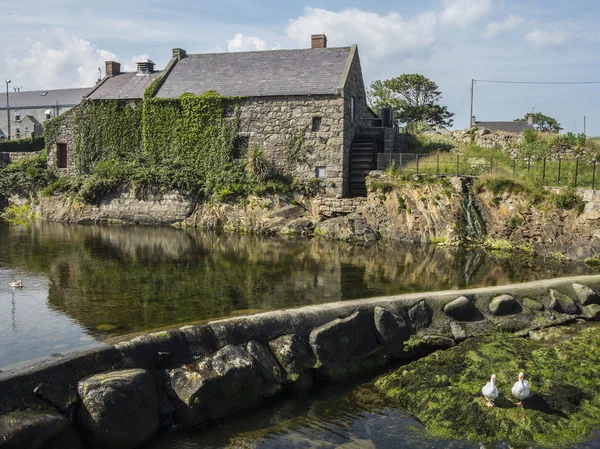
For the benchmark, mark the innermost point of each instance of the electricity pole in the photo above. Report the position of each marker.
(471, 114)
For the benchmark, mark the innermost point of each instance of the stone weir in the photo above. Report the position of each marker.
(120, 395)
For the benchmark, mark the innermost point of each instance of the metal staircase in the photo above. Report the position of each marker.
(363, 154)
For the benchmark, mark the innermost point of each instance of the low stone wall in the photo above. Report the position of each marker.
(120, 395)
(7, 158)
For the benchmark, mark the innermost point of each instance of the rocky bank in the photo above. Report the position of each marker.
(422, 210)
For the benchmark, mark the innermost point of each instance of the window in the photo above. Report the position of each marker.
(320, 172)
(17, 115)
(316, 124)
(61, 155)
(352, 101)
(18, 132)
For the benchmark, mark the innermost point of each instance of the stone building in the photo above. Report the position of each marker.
(28, 110)
(312, 97)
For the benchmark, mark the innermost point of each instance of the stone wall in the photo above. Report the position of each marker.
(64, 134)
(196, 374)
(489, 139)
(273, 123)
(8, 158)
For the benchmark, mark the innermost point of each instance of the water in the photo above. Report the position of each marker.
(84, 284)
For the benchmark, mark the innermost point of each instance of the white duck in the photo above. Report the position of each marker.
(16, 284)
(520, 390)
(489, 391)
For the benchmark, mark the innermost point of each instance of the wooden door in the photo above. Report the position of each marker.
(61, 155)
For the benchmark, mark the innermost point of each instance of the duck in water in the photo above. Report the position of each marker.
(520, 390)
(490, 392)
(16, 284)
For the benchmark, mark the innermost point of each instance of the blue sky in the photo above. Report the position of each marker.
(56, 44)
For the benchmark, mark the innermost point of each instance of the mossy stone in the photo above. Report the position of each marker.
(532, 304)
(562, 303)
(443, 390)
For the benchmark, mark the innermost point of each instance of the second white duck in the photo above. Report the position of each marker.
(520, 390)
(489, 391)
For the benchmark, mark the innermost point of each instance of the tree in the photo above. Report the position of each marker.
(413, 98)
(542, 122)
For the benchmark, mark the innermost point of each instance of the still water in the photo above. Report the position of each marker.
(84, 284)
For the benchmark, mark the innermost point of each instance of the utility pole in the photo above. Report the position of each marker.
(471, 114)
(8, 108)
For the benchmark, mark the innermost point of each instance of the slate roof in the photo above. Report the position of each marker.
(44, 98)
(125, 86)
(509, 127)
(259, 73)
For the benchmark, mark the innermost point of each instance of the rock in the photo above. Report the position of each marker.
(427, 344)
(288, 212)
(351, 228)
(296, 357)
(345, 347)
(458, 332)
(502, 304)
(592, 312)
(59, 397)
(37, 430)
(420, 316)
(586, 295)
(461, 309)
(391, 331)
(268, 367)
(532, 304)
(217, 385)
(299, 226)
(119, 408)
(562, 303)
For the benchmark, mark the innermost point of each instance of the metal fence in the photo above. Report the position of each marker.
(577, 172)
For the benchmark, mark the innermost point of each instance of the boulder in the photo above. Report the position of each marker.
(502, 304)
(215, 386)
(391, 330)
(427, 344)
(288, 212)
(420, 316)
(268, 367)
(458, 333)
(586, 295)
(532, 304)
(119, 408)
(37, 430)
(592, 312)
(345, 347)
(562, 303)
(461, 309)
(295, 356)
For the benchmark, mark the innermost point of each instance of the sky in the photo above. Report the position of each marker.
(50, 44)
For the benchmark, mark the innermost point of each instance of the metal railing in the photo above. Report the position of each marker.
(577, 172)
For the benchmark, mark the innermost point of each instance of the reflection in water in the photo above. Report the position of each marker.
(89, 283)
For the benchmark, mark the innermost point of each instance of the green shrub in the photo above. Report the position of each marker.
(569, 199)
(25, 177)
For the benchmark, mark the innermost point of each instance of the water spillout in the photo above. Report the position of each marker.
(472, 223)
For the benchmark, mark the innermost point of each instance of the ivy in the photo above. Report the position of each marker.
(189, 143)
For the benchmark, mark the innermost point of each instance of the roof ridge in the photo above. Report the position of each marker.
(266, 51)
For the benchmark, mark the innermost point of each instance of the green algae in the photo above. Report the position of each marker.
(443, 390)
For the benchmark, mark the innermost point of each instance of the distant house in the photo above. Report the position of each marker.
(317, 91)
(28, 110)
(514, 127)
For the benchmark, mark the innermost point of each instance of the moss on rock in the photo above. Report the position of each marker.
(443, 390)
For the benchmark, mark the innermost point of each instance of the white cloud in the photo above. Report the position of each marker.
(461, 13)
(134, 60)
(378, 35)
(494, 29)
(542, 38)
(65, 61)
(246, 43)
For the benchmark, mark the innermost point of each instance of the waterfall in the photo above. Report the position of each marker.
(473, 224)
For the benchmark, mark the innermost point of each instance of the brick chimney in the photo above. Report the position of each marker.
(318, 41)
(113, 68)
(179, 53)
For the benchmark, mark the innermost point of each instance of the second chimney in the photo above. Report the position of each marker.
(318, 41)
(113, 68)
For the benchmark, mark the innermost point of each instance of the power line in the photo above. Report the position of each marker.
(537, 82)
